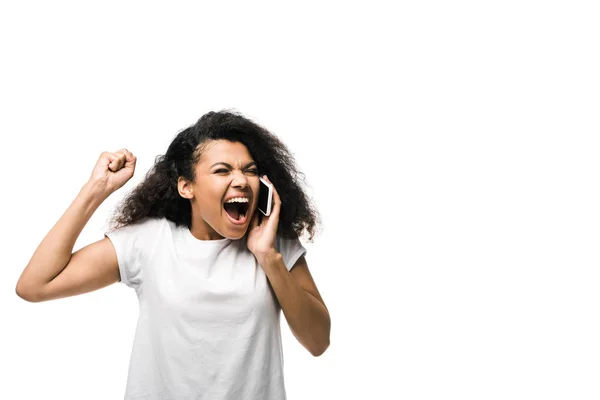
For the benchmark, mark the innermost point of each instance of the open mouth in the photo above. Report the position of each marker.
(237, 211)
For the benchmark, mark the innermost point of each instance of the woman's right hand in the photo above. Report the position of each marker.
(113, 170)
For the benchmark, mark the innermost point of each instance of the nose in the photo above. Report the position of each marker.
(239, 180)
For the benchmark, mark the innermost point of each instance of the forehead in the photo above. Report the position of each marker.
(225, 151)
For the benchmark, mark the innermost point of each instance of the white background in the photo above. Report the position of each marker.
(451, 148)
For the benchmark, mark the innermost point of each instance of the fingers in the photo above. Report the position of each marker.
(119, 159)
(128, 155)
(276, 198)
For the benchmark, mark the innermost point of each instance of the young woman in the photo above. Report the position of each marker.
(211, 272)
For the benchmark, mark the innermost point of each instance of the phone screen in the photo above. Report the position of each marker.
(263, 198)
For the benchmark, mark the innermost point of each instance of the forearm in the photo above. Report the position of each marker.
(55, 250)
(307, 317)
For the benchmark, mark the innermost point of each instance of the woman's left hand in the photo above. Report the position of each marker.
(261, 238)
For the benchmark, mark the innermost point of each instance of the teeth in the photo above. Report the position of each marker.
(237, 200)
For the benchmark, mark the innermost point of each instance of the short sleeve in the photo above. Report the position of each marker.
(290, 249)
(128, 243)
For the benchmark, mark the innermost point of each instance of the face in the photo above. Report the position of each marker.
(225, 170)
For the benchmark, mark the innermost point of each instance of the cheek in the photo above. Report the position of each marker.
(255, 186)
(210, 198)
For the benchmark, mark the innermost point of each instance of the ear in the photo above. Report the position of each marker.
(185, 188)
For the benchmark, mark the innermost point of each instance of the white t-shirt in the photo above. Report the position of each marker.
(208, 324)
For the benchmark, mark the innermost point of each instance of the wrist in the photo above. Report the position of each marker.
(94, 192)
(268, 257)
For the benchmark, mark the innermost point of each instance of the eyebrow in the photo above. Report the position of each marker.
(229, 166)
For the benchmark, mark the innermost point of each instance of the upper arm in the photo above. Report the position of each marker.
(90, 268)
(302, 275)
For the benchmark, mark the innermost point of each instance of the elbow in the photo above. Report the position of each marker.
(319, 350)
(26, 294)
(321, 345)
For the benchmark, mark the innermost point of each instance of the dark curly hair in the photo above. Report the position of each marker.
(157, 195)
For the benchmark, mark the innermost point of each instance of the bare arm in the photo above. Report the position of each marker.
(53, 270)
(301, 302)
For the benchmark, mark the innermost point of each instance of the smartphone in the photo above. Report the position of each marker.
(265, 197)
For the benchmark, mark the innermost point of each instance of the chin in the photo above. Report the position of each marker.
(236, 237)
(234, 234)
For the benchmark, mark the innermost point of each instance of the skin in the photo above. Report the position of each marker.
(54, 271)
(296, 291)
(214, 183)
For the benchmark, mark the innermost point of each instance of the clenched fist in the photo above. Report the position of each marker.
(113, 170)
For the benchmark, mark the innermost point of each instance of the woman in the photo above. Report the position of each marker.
(210, 271)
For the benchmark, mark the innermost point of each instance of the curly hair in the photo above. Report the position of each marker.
(158, 196)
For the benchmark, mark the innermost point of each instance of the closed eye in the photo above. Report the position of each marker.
(253, 171)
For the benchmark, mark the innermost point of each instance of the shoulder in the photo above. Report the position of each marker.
(287, 242)
(138, 230)
(141, 224)
(291, 249)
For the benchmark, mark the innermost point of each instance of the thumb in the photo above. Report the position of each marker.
(116, 161)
